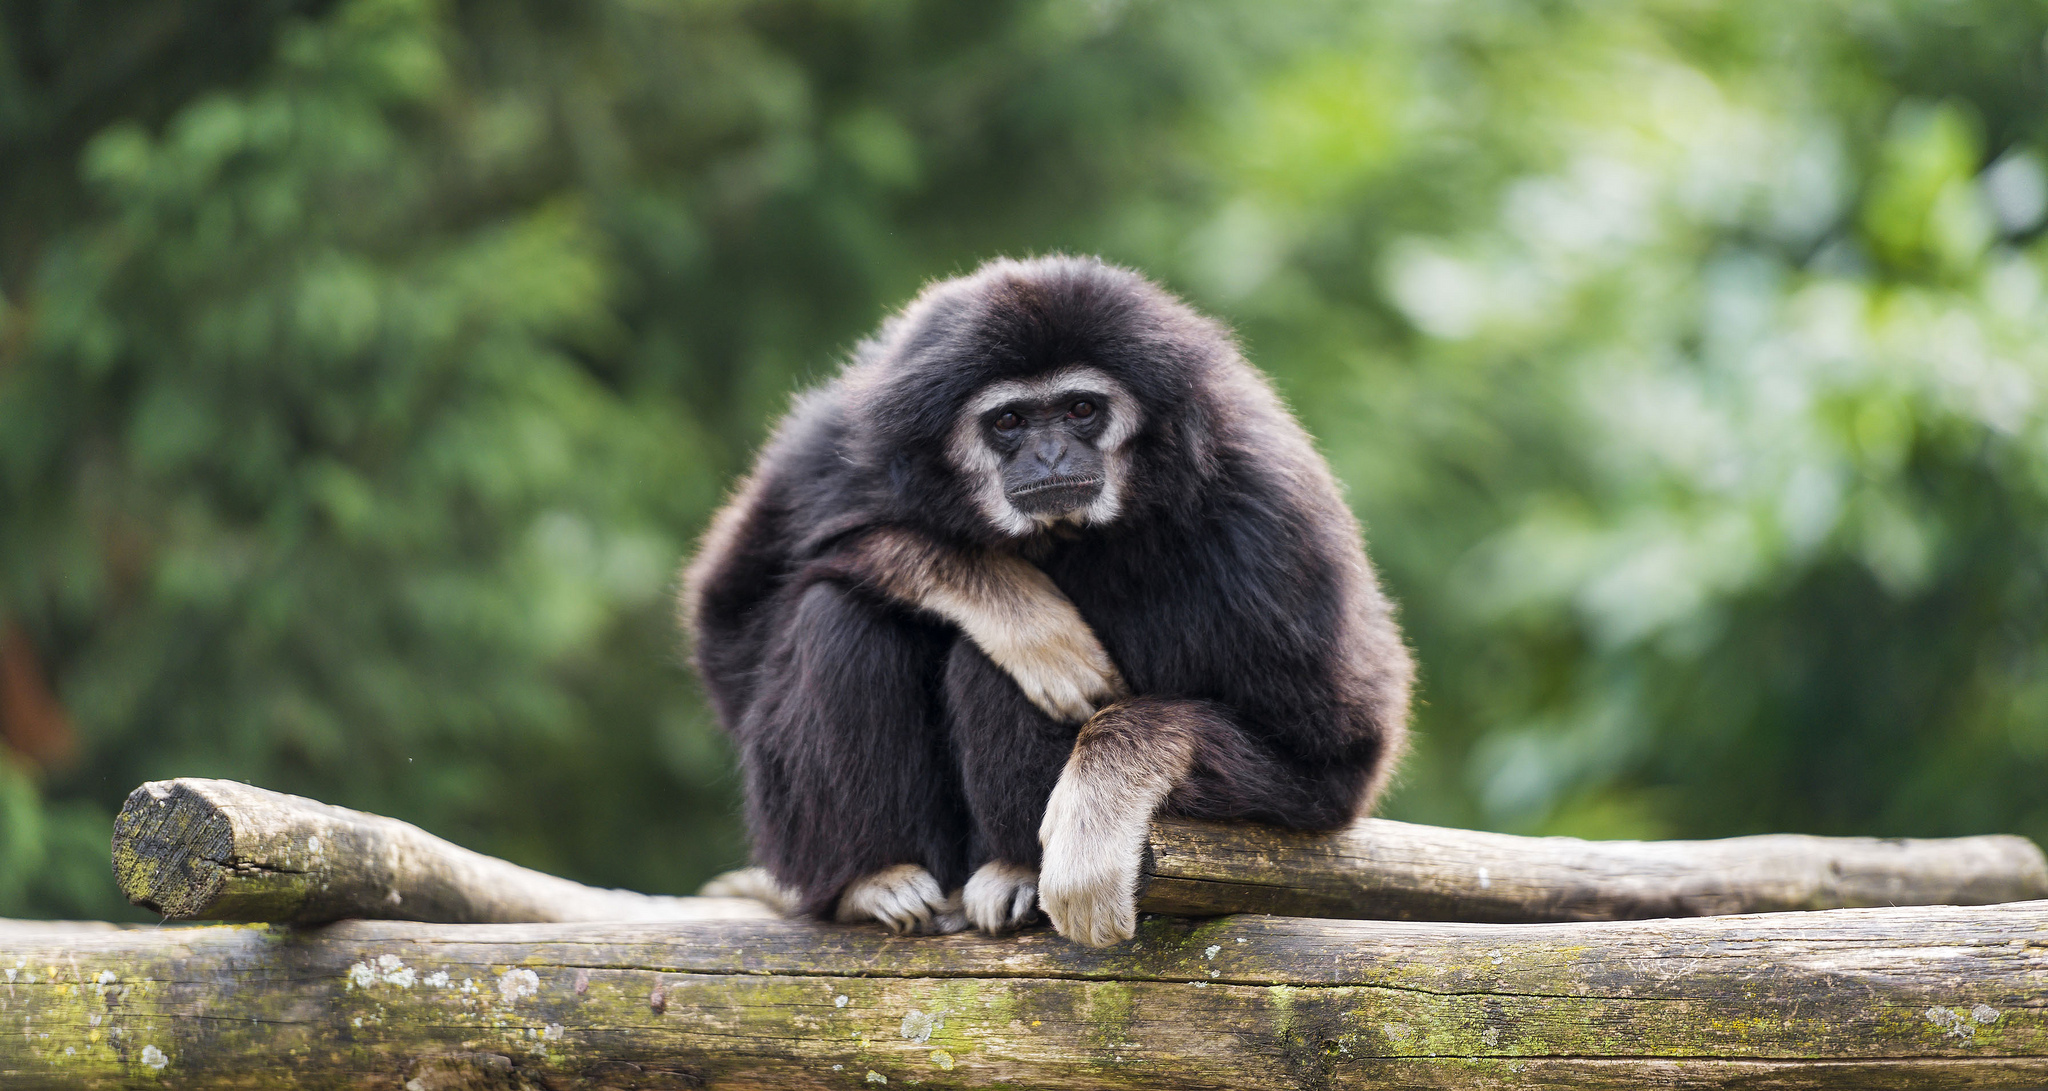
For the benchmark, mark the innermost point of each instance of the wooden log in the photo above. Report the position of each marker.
(1395, 870)
(1928, 997)
(218, 850)
(11, 927)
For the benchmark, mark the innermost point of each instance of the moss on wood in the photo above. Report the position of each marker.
(1929, 997)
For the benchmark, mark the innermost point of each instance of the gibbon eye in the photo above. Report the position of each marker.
(1081, 410)
(1008, 422)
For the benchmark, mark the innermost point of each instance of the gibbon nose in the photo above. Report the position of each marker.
(1051, 453)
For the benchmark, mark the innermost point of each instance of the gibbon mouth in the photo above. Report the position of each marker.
(1055, 494)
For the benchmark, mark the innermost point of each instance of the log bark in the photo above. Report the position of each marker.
(194, 849)
(1928, 997)
(10, 927)
(1395, 870)
(218, 850)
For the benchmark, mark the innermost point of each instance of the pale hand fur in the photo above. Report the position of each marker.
(904, 898)
(1088, 877)
(1037, 637)
(1000, 897)
(1096, 822)
(1012, 611)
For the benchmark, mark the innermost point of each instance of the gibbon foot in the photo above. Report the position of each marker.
(904, 898)
(1001, 897)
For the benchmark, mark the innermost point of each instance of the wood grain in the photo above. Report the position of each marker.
(1397, 870)
(1927, 997)
(194, 849)
(217, 850)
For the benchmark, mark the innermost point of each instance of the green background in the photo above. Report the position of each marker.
(367, 366)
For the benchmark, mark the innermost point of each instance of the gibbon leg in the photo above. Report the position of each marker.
(851, 794)
(1009, 754)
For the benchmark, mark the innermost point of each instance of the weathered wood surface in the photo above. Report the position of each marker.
(219, 850)
(1396, 870)
(12, 927)
(1930, 997)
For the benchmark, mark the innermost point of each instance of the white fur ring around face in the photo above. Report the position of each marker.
(1001, 896)
(904, 898)
(1094, 846)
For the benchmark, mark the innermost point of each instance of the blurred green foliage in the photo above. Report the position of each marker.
(366, 366)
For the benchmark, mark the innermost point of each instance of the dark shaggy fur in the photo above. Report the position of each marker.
(1232, 592)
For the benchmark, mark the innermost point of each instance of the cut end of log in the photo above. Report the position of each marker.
(221, 850)
(173, 849)
(197, 849)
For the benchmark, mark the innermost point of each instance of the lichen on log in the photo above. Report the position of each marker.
(1872, 998)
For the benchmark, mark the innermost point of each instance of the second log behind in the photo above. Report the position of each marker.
(1381, 869)
(217, 850)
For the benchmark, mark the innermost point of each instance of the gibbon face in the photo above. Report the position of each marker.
(1048, 449)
